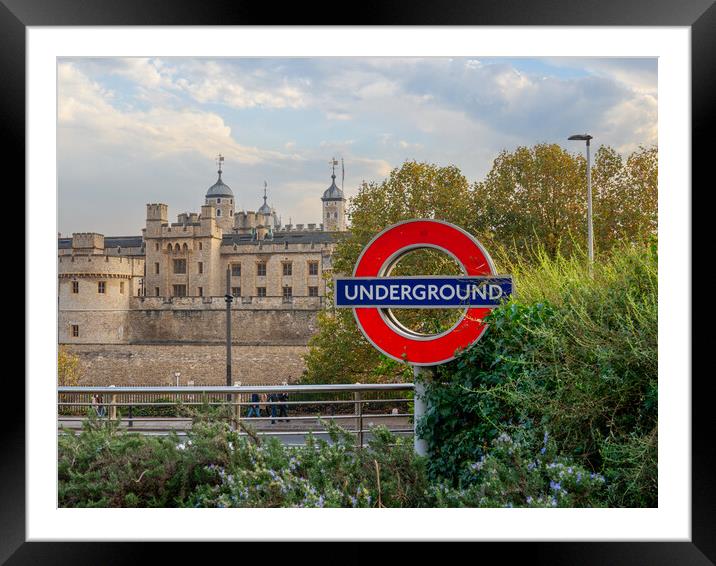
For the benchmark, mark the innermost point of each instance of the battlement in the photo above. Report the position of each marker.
(157, 211)
(88, 242)
(102, 266)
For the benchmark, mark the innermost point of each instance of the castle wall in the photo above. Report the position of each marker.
(119, 365)
(190, 320)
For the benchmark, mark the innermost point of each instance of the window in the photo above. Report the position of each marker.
(200, 265)
(101, 285)
(218, 212)
(287, 292)
(156, 246)
(75, 287)
(236, 270)
(236, 291)
(287, 268)
(179, 266)
(261, 269)
(75, 330)
(201, 247)
(179, 290)
(313, 291)
(260, 291)
(200, 291)
(156, 267)
(218, 201)
(121, 287)
(156, 291)
(313, 268)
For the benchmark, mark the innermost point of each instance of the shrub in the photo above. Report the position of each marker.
(573, 352)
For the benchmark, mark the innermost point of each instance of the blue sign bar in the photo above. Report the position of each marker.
(422, 292)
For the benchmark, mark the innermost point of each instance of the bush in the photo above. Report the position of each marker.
(215, 467)
(573, 353)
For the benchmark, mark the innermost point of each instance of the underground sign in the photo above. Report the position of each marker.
(372, 293)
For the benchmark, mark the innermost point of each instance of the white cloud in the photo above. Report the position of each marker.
(85, 112)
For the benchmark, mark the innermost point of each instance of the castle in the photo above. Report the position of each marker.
(130, 302)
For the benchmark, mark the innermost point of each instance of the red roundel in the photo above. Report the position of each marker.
(382, 252)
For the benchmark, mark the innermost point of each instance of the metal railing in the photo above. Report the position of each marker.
(158, 410)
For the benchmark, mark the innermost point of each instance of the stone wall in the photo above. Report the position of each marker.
(204, 364)
(250, 326)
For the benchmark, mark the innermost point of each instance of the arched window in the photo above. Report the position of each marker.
(218, 212)
(185, 248)
(176, 248)
(169, 248)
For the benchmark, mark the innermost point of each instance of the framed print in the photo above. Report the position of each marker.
(124, 102)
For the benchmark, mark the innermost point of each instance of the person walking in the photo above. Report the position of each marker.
(254, 410)
(272, 398)
(98, 406)
(283, 408)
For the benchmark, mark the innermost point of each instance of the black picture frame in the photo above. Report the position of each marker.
(699, 15)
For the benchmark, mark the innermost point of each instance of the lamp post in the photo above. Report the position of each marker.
(228, 298)
(590, 230)
(177, 375)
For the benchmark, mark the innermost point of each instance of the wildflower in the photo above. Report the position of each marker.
(529, 500)
(554, 486)
(504, 437)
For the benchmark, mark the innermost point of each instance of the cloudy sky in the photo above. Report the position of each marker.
(139, 130)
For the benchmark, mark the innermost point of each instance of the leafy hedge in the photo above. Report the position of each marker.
(215, 467)
(572, 358)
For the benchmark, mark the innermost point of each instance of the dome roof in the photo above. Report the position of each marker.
(219, 189)
(265, 208)
(332, 192)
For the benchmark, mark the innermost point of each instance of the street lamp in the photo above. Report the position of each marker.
(177, 375)
(590, 230)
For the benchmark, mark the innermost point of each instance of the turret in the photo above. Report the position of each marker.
(157, 216)
(334, 206)
(221, 197)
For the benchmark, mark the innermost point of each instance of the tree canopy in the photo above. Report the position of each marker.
(533, 198)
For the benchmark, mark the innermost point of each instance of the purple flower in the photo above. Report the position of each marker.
(554, 486)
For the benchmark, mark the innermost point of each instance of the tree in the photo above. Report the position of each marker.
(538, 195)
(625, 196)
(532, 198)
(533, 195)
(69, 371)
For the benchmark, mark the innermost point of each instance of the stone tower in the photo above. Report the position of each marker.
(334, 206)
(222, 198)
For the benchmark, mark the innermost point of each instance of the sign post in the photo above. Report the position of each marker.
(371, 292)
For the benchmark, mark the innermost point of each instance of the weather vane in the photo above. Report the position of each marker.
(219, 161)
(334, 162)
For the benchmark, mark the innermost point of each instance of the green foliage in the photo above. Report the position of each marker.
(571, 353)
(215, 467)
(518, 471)
(538, 194)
